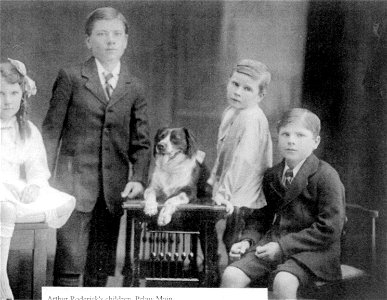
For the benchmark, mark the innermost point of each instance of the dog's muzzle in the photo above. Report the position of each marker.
(160, 147)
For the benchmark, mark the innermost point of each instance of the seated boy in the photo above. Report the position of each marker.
(306, 198)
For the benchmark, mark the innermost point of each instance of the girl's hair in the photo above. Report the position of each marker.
(11, 75)
(104, 13)
(308, 119)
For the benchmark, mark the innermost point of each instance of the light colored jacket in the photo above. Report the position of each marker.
(244, 152)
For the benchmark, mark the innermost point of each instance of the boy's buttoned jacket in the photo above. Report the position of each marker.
(91, 141)
(309, 216)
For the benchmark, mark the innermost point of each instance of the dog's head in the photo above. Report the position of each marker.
(171, 141)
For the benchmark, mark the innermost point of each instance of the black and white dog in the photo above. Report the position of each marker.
(178, 169)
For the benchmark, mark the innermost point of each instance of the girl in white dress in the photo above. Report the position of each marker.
(25, 194)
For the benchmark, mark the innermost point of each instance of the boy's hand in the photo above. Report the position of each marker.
(220, 200)
(239, 248)
(30, 193)
(132, 190)
(269, 252)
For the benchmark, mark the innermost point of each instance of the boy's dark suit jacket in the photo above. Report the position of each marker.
(309, 216)
(91, 141)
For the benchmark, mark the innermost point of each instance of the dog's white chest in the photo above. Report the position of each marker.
(170, 179)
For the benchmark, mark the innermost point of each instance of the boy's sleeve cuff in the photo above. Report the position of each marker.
(139, 181)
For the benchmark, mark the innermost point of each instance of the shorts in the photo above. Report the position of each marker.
(256, 269)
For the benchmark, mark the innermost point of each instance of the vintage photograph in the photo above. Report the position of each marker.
(199, 144)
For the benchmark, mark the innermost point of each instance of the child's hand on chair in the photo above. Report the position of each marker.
(30, 193)
(220, 200)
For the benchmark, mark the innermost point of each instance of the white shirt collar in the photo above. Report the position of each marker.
(102, 72)
(295, 170)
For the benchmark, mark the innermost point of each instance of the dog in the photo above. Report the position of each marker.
(178, 174)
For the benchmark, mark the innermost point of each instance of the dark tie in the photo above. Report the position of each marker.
(288, 177)
(108, 86)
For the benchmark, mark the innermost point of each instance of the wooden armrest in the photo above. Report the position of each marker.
(138, 204)
(353, 207)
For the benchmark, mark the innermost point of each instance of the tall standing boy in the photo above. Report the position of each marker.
(95, 129)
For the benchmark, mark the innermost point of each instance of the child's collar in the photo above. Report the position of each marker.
(7, 124)
(102, 69)
(296, 168)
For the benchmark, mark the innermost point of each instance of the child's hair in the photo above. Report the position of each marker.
(104, 13)
(308, 119)
(11, 74)
(256, 70)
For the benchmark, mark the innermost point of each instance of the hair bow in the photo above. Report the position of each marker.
(29, 84)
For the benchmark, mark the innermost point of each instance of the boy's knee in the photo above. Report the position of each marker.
(66, 208)
(8, 212)
(234, 278)
(285, 285)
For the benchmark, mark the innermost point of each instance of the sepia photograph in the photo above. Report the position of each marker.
(208, 145)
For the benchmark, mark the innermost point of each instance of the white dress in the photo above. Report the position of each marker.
(30, 154)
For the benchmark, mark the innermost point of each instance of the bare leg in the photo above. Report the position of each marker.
(8, 218)
(234, 278)
(285, 286)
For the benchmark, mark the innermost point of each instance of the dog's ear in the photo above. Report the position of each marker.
(192, 146)
(158, 138)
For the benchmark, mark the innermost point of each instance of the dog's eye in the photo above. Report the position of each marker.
(162, 135)
(176, 137)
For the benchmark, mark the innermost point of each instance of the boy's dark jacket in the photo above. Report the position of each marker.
(90, 141)
(309, 216)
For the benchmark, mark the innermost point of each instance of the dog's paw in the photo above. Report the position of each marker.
(164, 218)
(150, 208)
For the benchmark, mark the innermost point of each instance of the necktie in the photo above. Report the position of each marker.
(108, 86)
(288, 177)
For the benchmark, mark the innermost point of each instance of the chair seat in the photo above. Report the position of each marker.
(348, 273)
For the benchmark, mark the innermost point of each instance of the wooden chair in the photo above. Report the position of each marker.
(33, 236)
(358, 259)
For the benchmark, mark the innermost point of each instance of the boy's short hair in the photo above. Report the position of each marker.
(104, 13)
(308, 119)
(256, 70)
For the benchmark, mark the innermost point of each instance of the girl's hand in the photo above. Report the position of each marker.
(269, 252)
(30, 193)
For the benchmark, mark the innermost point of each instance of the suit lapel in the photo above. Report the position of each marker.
(122, 84)
(301, 180)
(276, 184)
(93, 84)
